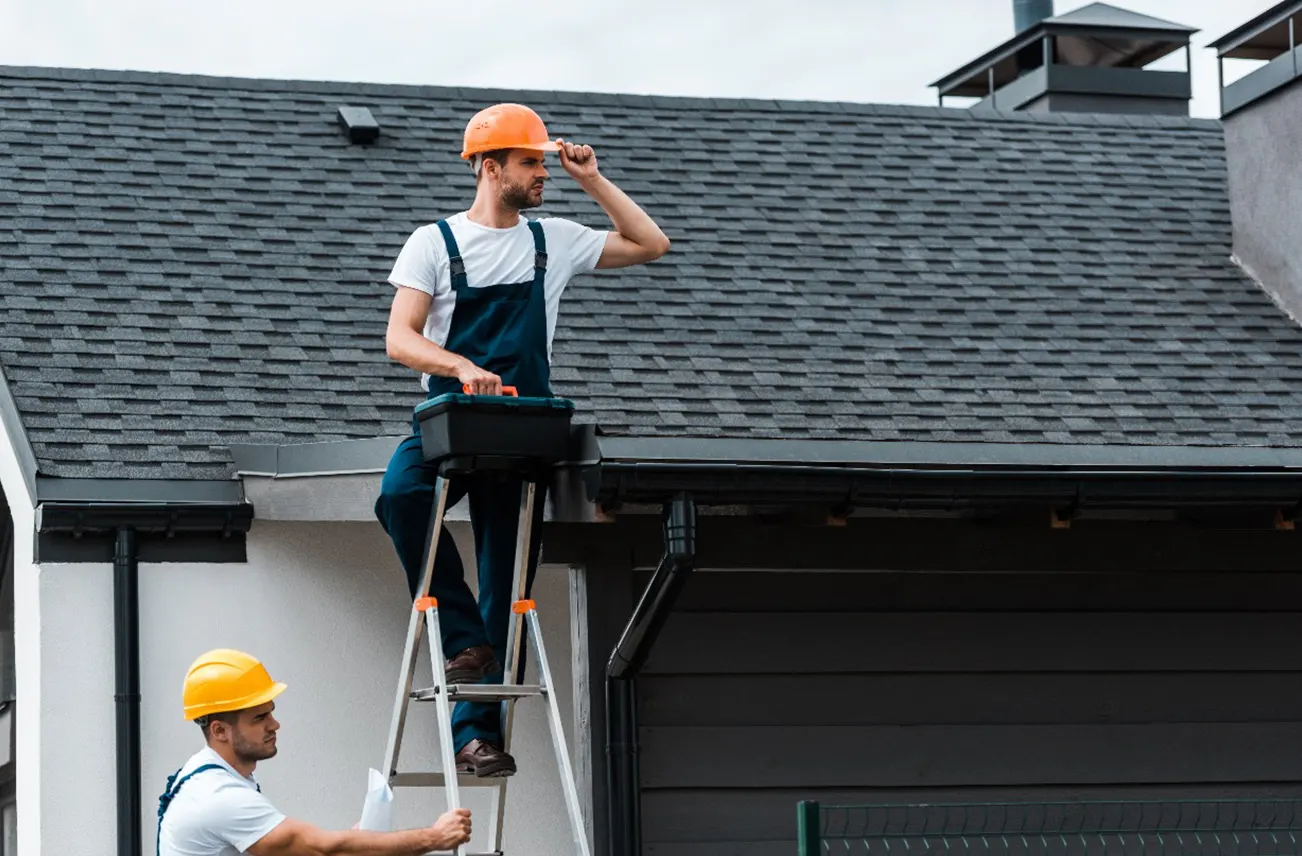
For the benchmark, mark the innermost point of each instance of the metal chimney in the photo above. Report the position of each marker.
(1091, 60)
(1028, 13)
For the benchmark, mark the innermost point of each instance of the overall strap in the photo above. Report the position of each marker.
(170, 791)
(539, 252)
(455, 263)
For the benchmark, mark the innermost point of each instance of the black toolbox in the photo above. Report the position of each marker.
(465, 432)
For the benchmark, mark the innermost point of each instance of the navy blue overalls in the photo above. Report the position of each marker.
(502, 329)
(171, 789)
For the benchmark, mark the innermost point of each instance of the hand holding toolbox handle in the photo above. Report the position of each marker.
(506, 390)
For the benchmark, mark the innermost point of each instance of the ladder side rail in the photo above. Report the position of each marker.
(523, 538)
(563, 765)
(511, 670)
(444, 705)
(407, 672)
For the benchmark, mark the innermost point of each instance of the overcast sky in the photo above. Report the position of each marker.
(858, 50)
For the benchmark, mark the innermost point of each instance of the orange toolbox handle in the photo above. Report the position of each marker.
(506, 390)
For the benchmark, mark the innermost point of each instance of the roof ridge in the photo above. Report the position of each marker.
(345, 87)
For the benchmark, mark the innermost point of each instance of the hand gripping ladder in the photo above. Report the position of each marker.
(524, 617)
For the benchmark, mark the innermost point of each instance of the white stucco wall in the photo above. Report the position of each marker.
(325, 606)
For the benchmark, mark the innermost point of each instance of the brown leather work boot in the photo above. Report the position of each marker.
(484, 760)
(471, 665)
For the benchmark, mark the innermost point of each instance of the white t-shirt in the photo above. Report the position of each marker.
(216, 813)
(493, 257)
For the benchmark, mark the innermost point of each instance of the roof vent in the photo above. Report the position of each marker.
(1091, 60)
(1272, 36)
(358, 124)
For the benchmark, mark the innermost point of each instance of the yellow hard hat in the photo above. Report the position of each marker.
(224, 679)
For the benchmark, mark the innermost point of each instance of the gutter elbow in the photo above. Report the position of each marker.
(624, 816)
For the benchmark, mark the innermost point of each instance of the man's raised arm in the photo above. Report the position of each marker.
(636, 238)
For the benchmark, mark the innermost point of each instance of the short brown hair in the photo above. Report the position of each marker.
(230, 717)
(499, 155)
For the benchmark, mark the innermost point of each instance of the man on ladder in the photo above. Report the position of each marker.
(213, 806)
(475, 308)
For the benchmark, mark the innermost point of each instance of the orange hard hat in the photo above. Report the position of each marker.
(224, 679)
(506, 126)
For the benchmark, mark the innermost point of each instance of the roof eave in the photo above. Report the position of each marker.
(966, 73)
(13, 425)
(1240, 35)
(1171, 34)
(611, 470)
(605, 472)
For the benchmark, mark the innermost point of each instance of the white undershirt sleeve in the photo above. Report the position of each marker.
(580, 244)
(421, 262)
(240, 816)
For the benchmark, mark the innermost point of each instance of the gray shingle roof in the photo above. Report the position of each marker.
(198, 262)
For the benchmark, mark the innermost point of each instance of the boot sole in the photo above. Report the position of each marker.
(488, 771)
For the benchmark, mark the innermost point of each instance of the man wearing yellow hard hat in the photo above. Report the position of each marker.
(475, 305)
(213, 806)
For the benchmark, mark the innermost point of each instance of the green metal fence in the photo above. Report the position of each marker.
(1103, 828)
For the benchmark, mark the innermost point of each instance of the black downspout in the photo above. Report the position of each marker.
(626, 660)
(126, 649)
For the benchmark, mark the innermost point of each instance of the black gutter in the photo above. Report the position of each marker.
(895, 487)
(158, 518)
(122, 492)
(126, 647)
(624, 810)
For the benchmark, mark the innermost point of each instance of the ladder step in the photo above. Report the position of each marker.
(435, 780)
(480, 692)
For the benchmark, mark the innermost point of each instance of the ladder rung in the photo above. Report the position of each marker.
(435, 780)
(487, 853)
(480, 692)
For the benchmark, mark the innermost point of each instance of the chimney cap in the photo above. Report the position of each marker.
(1132, 40)
(1264, 37)
(1106, 15)
(358, 124)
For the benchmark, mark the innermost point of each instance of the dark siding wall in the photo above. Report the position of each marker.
(771, 687)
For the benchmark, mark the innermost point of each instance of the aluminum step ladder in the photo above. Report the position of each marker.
(524, 616)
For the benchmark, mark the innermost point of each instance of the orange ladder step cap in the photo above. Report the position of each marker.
(520, 607)
(424, 603)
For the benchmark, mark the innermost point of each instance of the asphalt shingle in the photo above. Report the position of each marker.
(196, 262)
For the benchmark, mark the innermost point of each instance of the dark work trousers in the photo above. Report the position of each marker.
(406, 499)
